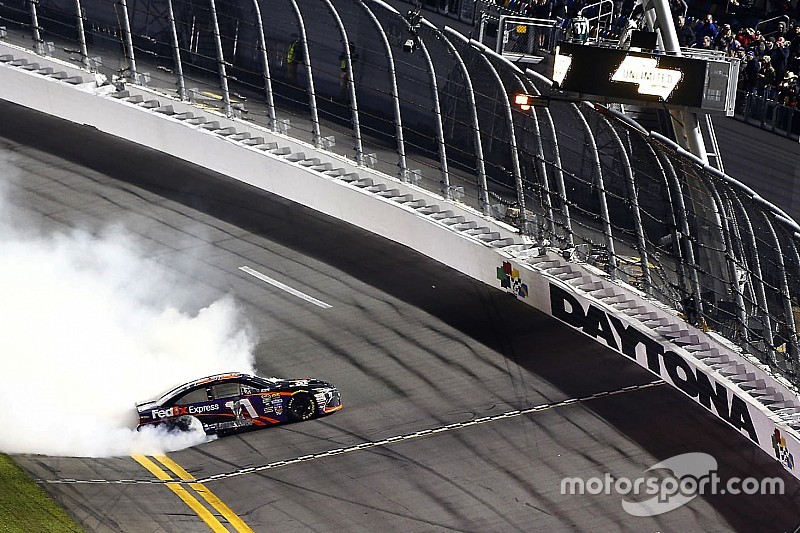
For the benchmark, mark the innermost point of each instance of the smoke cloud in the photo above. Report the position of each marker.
(88, 330)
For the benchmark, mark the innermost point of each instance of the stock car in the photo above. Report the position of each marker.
(227, 403)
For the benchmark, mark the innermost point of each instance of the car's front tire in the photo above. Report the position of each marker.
(301, 406)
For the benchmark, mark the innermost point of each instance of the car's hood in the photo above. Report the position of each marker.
(305, 382)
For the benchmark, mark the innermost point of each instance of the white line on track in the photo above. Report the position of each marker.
(377, 443)
(284, 287)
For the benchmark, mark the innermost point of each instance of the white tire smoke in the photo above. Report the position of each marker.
(87, 331)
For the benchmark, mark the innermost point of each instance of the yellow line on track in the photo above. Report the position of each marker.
(232, 518)
(183, 494)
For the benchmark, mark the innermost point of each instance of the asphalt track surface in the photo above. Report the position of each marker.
(411, 344)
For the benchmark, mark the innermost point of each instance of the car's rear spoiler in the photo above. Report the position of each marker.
(145, 406)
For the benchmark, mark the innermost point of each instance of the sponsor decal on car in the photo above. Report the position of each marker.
(265, 403)
(200, 409)
(240, 407)
(322, 401)
(277, 405)
(234, 424)
(180, 411)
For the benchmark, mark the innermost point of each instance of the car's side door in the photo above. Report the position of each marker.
(193, 402)
(235, 410)
(266, 403)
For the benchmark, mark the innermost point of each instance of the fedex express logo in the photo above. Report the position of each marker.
(180, 411)
(644, 72)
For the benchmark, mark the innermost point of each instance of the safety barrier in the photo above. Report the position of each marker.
(768, 114)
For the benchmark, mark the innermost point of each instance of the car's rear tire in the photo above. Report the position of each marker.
(183, 424)
(301, 406)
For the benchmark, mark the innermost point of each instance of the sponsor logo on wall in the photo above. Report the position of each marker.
(511, 281)
(782, 452)
(667, 364)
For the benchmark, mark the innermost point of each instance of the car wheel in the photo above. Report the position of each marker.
(301, 406)
(184, 423)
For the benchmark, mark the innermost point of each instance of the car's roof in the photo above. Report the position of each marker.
(208, 379)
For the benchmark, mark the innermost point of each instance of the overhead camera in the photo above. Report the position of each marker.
(410, 45)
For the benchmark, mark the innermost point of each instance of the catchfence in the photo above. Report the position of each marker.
(392, 92)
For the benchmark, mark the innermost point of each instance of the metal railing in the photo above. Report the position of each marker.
(466, 11)
(600, 16)
(518, 37)
(768, 114)
(765, 26)
(359, 78)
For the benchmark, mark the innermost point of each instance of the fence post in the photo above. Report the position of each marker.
(312, 95)
(398, 120)
(176, 51)
(38, 44)
(351, 83)
(601, 192)
(81, 34)
(476, 126)
(262, 44)
(223, 75)
(126, 31)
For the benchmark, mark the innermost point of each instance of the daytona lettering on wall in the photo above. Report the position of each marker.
(649, 353)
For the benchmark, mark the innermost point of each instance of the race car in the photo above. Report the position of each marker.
(227, 403)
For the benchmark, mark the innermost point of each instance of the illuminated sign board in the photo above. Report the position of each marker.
(625, 76)
(644, 72)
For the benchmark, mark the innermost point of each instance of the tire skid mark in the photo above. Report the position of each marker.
(366, 445)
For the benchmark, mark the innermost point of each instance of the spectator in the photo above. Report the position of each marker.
(724, 38)
(706, 29)
(294, 57)
(540, 9)
(779, 57)
(781, 31)
(766, 78)
(759, 46)
(679, 8)
(787, 90)
(746, 37)
(706, 44)
(735, 49)
(686, 36)
(343, 79)
(769, 46)
(559, 9)
(795, 39)
(751, 69)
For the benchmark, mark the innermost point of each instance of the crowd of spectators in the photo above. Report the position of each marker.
(763, 34)
(769, 51)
